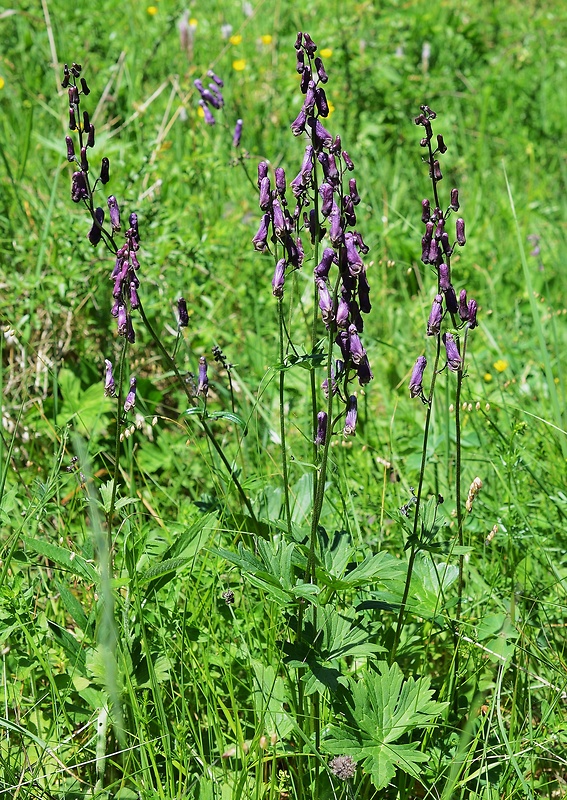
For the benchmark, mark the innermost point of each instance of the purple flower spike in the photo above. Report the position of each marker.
(460, 230)
(109, 385)
(363, 371)
(452, 350)
(325, 302)
(203, 387)
(323, 267)
(260, 240)
(323, 77)
(79, 189)
(70, 149)
(435, 316)
(279, 278)
(114, 213)
(131, 396)
(321, 428)
(463, 307)
(326, 192)
(416, 380)
(357, 351)
(351, 416)
(444, 281)
(182, 313)
(265, 195)
(472, 314)
(237, 133)
(95, 233)
(217, 80)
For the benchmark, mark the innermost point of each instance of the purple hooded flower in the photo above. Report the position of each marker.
(134, 299)
(452, 350)
(363, 371)
(460, 232)
(114, 212)
(321, 136)
(348, 161)
(426, 242)
(309, 102)
(363, 248)
(321, 434)
(237, 133)
(364, 293)
(351, 416)
(444, 281)
(434, 254)
(262, 172)
(437, 174)
(445, 244)
(336, 234)
(309, 45)
(133, 220)
(342, 314)
(463, 307)
(323, 77)
(79, 189)
(209, 119)
(454, 200)
(354, 261)
(91, 136)
(298, 124)
(182, 313)
(70, 148)
(323, 267)
(326, 192)
(104, 171)
(321, 102)
(451, 300)
(325, 301)
(353, 191)
(472, 314)
(300, 63)
(280, 181)
(416, 380)
(260, 240)
(217, 80)
(357, 351)
(435, 316)
(109, 385)
(130, 333)
(122, 320)
(95, 233)
(278, 218)
(265, 194)
(279, 278)
(130, 402)
(307, 164)
(203, 387)
(425, 211)
(343, 341)
(348, 210)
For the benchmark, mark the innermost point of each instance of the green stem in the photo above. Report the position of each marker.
(117, 443)
(282, 419)
(414, 546)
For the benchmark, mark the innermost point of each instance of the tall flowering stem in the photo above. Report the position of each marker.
(437, 248)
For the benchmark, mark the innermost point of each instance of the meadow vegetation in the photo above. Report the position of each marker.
(203, 594)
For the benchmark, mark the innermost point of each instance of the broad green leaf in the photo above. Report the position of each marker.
(380, 708)
(66, 559)
(271, 700)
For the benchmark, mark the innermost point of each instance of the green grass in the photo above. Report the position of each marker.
(123, 668)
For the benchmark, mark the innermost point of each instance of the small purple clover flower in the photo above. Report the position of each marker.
(416, 380)
(130, 401)
(343, 767)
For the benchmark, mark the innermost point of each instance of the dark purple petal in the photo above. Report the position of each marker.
(323, 77)
(425, 211)
(131, 396)
(460, 231)
(280, 181)
(348, 161)
(182, 313)
(364, 372)
(79, 189)
(342, 313)
(451, 300)
(351, 416)
(323, 267)
(279, 278)
(114, 212)
(309, 45)
(463, 307)
(326, 192)
(109, 385)
(364, 293)
(354, 260)
(321, 434)
(260, 240)
(472, 314)
(237, 133)
(298, 124)
(452, 350)
(353, 191)
(203, 387)
(262, 172)
(325, 301)
(95, 233)
(104, 171)
(70, 148)
(455, 199)
(265, 194)
(357, 351)
(435, 316)
(444, 280)
(321, 102)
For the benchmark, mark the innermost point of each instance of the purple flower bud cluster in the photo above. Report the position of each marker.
(124, 277)
(211, 98)
(437, 248)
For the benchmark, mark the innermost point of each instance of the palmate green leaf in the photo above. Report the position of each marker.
(380, 708)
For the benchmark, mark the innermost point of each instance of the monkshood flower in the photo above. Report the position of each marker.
(237, 133)
(321, 434)
(452, 350)
(351, 416)
(182, 313)
(130, 401)
(203, 387)
(416, 380)
(109, 385)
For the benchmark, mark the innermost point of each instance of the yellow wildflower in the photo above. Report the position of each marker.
(487, 377)
(500, 365)
(239, 64)
(235, 39)
(2, 82)
(200, 112)
(193, 22)
(152, 10)
(266, 38)
(331, 107)
(326, 52)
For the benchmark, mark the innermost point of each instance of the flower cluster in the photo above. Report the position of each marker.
(211, 97)
(437, 247)
(126, 283)
(325, 196)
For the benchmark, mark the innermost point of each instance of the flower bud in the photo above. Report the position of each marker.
(354, 260)
(323, 77)
(323, 267)
(109, 385)
(441, 146)
(182, 313)
(104, 171)
(300, 63)
(416, 380)
(472, 314)
(262, 172)
(203, 387)
(298, 124)
(325, 302)
(237, 133)
(363, 371)
(353, 191)
(209, 119)
(425, 211)
(260, 240)
(454, 200)
(348, 161)
(265, 194)
(364, 293)
(217, 80)
(451, 300)
(444, 281)
(460, 232)
(321, 102)
(326, 192)
(463, 307)
(70, 148)
(437, 174)
(91, 136)
(357, 351)
(134, 299)
(95, 233)
(309, 45)
(122, 320)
